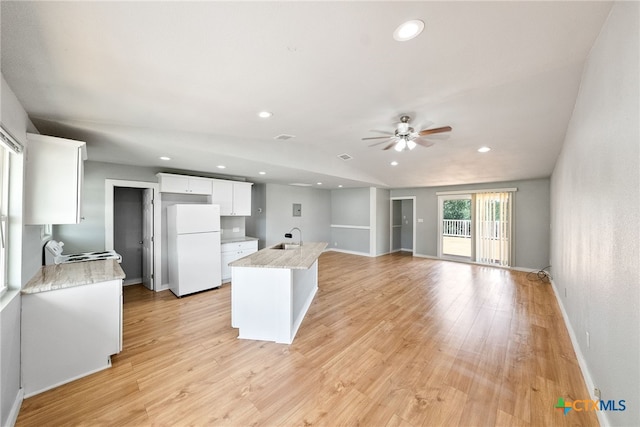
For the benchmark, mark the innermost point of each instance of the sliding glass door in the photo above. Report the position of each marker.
(455, 227)
(493, 228)
(476, 227)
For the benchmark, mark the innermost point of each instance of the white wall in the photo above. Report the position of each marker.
(595, 201)
(24, 259)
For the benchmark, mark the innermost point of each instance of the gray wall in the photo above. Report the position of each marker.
(531, 219)
(383, 221)
(89, 234)
(127, 230)
(406, 231)
(350, 206)
(595, 200)
(255, 225)
(279, 219)
(397, 225)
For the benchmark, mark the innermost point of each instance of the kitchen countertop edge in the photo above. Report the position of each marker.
(63, 276)
(238, 239)
(296, 259)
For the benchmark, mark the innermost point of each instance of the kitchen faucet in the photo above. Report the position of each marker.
(289, 235)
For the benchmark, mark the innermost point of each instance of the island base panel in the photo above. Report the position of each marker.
(269, 304)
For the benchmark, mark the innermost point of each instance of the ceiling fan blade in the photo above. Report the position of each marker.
(385, 132)
(376, 137)
(438, 136)
(436, 130)
(377, 143)
(424, 142)
(390, 145)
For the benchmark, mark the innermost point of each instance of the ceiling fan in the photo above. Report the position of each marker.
(405, 137)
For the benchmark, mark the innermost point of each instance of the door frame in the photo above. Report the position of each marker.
(413, 237)
(109, 185)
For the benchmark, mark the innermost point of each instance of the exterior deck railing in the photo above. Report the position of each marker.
(462, 228)
(456, 227)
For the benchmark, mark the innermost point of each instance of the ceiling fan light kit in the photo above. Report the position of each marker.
(405, 137)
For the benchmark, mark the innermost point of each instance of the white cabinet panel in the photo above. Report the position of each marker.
(200, 185)
(53, 180)
(242, 198)
(223, 196)
(233, 197)
(170, 183)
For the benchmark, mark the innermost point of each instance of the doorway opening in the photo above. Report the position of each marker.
(403, 224)
(131, 224)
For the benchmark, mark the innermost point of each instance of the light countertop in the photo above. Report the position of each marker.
(299, 258)
(62, 276)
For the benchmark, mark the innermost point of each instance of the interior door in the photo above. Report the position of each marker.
(147, 238)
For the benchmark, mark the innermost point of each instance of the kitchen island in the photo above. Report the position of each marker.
(71, 322)
(272, 289)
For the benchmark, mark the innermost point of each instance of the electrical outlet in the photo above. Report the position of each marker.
(597, 393)
(588, 340)
(420, 220)
(236, 229)
(335, 244)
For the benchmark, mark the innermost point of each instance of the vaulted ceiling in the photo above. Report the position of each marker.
(140, 80)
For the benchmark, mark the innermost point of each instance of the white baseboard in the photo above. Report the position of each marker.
(429, 257)
(164, 287)
(15, 409)
(344, 251)
(602, 417)
(135, 281)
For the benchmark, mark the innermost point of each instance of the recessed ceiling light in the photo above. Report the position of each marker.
(394, 163)
(408, 30)
(484, 149)
(265, 114)
(319, 183)
(262, 173)
(340, 186)
(221, 166)
(165, 158)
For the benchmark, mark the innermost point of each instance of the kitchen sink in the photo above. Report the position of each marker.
(284, 246)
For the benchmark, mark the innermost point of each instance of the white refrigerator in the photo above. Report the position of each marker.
(193, 248)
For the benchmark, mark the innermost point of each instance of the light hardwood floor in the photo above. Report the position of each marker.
(388, 341)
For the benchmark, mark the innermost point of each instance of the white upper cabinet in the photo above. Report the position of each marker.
(170, 183)
(234, 197)
(53, 180)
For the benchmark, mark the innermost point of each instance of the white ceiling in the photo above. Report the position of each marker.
(139, 80)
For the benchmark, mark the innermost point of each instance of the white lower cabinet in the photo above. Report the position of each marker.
(233, 251)
(69, 333)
